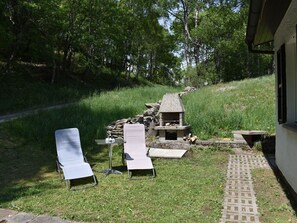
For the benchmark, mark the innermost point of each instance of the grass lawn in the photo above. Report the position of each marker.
(19, 91)
(215, 111)
(188, 189)
(273, 204)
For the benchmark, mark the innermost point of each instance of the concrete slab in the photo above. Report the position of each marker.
(10, 216)
(167, 153)
(20, 217)
(48, 219)
(249, 132)
(250, 136)
(4, 213)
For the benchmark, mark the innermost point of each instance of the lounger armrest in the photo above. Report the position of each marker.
(58, 163)
(148, 151)
(85, 157)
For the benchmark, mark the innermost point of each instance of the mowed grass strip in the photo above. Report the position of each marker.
(272, 198)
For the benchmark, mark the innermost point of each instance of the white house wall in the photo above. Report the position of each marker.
(286, 140)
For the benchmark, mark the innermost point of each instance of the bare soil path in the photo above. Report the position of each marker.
(9, 117)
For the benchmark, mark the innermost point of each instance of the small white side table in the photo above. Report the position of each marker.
(110, 143)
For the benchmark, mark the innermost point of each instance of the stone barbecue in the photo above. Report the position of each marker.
(172, 118)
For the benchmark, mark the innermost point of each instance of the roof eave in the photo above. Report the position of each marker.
(263, 19)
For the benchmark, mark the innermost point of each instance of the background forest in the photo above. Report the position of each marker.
(124, 41)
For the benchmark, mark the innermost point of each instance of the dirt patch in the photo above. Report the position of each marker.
(225, 88)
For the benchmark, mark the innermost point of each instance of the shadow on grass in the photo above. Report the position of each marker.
(30, 92)
(268, 147)
(28, 151)
(16, 191)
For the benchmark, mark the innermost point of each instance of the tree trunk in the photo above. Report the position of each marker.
(66, 50)
(54, 72)
(10, 59)
(186, 32)
(150, 68)
(196, 45)
(19, 22)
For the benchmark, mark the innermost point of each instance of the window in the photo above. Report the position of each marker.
(281, 85)
(295, 75)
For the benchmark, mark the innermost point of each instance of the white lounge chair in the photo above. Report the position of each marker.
(135, 152)
(71, 160)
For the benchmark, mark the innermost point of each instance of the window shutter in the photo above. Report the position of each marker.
(281, 85)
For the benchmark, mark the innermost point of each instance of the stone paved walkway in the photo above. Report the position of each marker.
(240, 200)
(9, 216)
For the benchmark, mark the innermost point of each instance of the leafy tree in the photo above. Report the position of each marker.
(124, 39)
(211, 35)
(222, 30)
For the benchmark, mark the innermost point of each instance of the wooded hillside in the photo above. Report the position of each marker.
(163, 41)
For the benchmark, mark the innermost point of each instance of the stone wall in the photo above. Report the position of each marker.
(149, 118)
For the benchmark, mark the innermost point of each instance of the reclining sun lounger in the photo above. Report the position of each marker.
(135, 152)
(71, 160)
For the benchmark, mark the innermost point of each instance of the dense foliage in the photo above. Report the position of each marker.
(211, 37)
(163, 41)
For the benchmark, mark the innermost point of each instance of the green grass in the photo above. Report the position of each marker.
(215, 111)
(212, 112)
(90, 115)
(190, 188)
(20, 91)
(274, 205)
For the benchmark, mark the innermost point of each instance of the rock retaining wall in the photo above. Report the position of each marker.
(149, 118)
